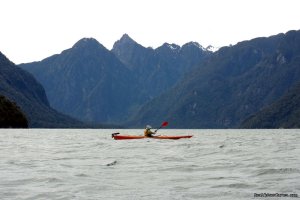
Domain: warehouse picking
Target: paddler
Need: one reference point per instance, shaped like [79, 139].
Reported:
[148, 132]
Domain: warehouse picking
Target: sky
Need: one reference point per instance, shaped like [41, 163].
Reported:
[32, 30]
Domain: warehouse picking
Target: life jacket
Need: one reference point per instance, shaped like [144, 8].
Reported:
[148, 133]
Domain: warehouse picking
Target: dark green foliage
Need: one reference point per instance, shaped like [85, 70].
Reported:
[228, 87]
[20, 86]
[284, 113]
[11, 115]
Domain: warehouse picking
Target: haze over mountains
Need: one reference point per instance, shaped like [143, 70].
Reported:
[232, 84]
[190, 86]
[94, 84]
[19, 86]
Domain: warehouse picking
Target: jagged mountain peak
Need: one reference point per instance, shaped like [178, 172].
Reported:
[87, 42]
[172, 46]
[127, 49]
[212, 48]
[194, 44]
[125, 41]
[126, 37]
[4, 59]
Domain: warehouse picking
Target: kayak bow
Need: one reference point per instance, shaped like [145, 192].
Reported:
[116, 136]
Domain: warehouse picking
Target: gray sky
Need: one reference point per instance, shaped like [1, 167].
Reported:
[32, 30]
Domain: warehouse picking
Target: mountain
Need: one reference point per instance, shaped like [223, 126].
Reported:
[11, 115]
[157, 70]
[229, 86]
[283, 113]
[22, 88]
[87, 82]
[94, 84]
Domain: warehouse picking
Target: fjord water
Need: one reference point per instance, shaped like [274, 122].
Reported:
[89, 164]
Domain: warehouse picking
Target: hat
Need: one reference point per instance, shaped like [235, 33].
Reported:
[148, 127]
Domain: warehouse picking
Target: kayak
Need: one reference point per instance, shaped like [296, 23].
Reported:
[116, 136]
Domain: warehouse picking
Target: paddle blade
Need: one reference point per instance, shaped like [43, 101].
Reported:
[164, 124]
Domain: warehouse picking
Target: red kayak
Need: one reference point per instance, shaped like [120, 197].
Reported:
[116, 136]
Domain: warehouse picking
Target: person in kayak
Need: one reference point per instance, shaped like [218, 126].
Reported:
[148, 132]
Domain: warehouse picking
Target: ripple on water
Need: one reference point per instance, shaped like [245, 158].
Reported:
[89, 164]
[234, 185]
[270, 171]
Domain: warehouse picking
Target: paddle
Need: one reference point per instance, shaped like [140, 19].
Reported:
[162, 125]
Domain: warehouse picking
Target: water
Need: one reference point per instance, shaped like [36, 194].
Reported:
[89, 164]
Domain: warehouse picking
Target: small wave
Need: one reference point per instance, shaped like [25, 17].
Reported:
[180, 168]
[277, 171]
[52, 180]
[233, 185]
[81, 175]
[172, 158]
[112, 163]
[216, 178]
[27, 181]
[239, 185]
[18, 182]
[67, 165]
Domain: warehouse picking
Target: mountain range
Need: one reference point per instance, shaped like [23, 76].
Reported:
[253, 84]
[229, 86]
[94, 84]
[87, 81]
[20, 87]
